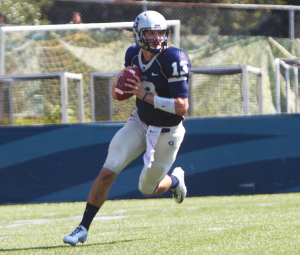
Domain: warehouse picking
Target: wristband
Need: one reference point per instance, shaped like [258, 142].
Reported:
[145, 96]
[165, 104]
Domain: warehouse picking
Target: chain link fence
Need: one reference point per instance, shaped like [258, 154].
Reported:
[201, 19]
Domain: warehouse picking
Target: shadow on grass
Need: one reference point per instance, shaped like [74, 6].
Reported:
[67, 246]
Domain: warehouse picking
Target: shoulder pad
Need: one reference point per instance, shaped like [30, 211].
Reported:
[174, 62]
[174, 54]
[132, 51]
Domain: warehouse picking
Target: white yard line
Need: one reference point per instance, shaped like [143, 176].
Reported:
[20, 223]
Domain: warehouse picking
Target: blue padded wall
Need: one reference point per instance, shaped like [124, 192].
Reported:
[220, 156]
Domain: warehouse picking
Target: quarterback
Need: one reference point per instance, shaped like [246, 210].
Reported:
[154, 127]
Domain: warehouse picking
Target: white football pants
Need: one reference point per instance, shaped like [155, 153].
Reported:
[130, 141]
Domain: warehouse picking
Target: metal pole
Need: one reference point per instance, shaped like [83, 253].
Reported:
[110, 100]
[80, 104]
[92, 97]
[291, 23]
[2, 57]
[190, 91]
[231, 6]
[260, 92]
[277, 84]
[296, 89]
[145, 6]
[64, 97]
[11, 104]
[287, 82]
[177, 35]
[245, 90]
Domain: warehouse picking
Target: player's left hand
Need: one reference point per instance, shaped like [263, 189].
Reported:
[137, 87]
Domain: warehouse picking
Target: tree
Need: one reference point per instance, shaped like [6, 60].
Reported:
[25, 12]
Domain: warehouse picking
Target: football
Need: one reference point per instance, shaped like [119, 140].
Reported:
[120, 86]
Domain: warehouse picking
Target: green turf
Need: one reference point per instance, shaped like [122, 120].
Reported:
[264, 224]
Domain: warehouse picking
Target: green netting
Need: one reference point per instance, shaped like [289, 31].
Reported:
[216, 95]
[85, 51]
[56, 51]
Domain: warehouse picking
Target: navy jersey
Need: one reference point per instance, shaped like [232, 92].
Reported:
[166, 75]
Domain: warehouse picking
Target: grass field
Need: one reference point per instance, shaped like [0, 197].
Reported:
[261, 224]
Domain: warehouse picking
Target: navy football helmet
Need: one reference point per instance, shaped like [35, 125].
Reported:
[150, 20]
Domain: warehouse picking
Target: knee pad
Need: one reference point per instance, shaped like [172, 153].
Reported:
[113, 161]
[148, 183]
[147, 187]
[126, 145]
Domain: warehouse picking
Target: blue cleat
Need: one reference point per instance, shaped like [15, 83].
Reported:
[78, 235]
[179, 193]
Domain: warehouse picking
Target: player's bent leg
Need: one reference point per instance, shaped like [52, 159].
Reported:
[162, 187]
[149, 180]
[154, 180]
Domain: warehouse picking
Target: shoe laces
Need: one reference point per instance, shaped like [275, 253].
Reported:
[77, 230]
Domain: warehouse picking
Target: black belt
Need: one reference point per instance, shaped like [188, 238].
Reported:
[163, 130]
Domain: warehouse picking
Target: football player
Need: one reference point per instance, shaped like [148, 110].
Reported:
[156, 124]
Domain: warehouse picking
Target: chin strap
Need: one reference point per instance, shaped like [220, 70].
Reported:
[165, 104]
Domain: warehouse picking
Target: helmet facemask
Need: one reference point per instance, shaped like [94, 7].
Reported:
[145, 44]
